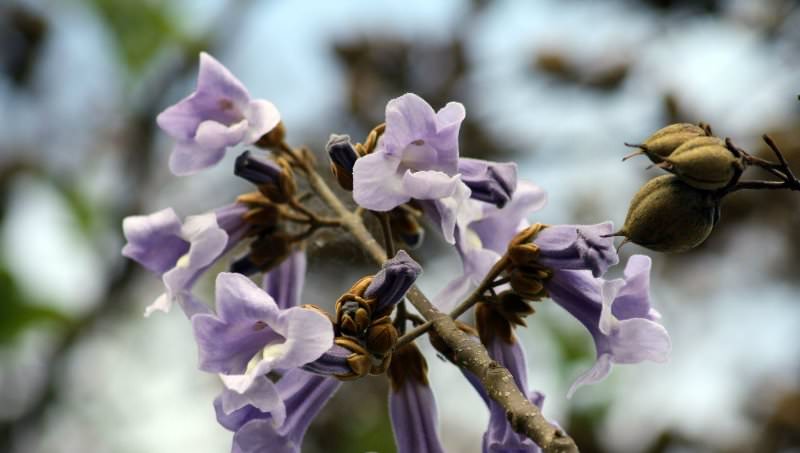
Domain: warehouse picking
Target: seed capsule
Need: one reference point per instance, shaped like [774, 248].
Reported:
[666, 140]
[704, 163]
[668, 215]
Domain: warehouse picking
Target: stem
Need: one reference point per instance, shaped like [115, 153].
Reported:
[524, 416]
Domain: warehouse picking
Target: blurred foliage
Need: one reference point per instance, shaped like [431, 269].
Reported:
[140, 29]
[17, 313]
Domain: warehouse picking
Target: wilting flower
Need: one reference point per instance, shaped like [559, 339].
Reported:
[412, 404]
[219, 114]
[416, 158]
[304, 395]
[180, 253]
[617, 313]
[250, 336]
[484, 237]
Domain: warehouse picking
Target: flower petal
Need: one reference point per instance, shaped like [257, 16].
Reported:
[154, 240]
[595, 374]
[285, 283]
[377, 184]
[414, 418]
[262, 116]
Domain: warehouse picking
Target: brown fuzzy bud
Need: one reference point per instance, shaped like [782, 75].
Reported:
[523, 254]
[353, 315]
[265, 216]
[269, 250]
[359, 361]
[491, 324]
[528, 283]
[380, 364]
[705, 163]
[666, 140]
[513, 307]
[408, 363]
[406, 227]
[668, 215]
[381, 336]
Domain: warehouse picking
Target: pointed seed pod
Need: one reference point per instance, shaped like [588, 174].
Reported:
[668, 215]
[666, 140]
[705, 163]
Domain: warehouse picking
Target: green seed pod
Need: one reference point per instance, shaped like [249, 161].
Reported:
[666, 140]
[667, 215]
[705, 163]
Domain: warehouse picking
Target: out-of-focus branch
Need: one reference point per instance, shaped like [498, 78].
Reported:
[524, 416]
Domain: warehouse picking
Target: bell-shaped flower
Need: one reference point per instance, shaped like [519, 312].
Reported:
[415, 158]
[490, 182]
[412, 405]
[577, 247]
[180, 252]
[483, 238]
[250, 336]
[617, 313]
[219, 114]
[303, 395]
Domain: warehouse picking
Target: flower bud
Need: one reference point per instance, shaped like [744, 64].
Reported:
[528, 281]
[343, 157]
[704, 163]
[353, 315]
[668, 215]
[359, 360]
[381, 336]
[491, 182]
[491, 324]
[274, 179]
[390, 285]
[666, 140]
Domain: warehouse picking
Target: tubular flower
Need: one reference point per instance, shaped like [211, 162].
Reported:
[617, 313]
[412, 404]
[416, 158]
[250, 336]
[483, 238]
[490, 182]
[303, 394]
[180, 253]
[219, 114]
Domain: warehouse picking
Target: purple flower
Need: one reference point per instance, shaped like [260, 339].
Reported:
[499, 436]
[577, 247]
[491, 182]
[251, 336]
[416, 158]
[180, 253]
[483, 238]
[304, 395]
[285, 283]
[617, 313]
[217, 115]
[392, 282]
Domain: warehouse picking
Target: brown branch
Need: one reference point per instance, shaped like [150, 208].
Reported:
[524, 416]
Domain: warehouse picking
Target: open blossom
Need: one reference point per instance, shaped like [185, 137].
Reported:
[617, 313]
[250, 336]
[304, 395]
[482, 239]
[219, 114]
[416, 158]
[181, 252]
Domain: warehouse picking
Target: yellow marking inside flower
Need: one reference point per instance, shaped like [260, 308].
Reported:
[273, 351]
[183, 261]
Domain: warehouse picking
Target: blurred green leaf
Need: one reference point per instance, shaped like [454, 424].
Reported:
[140, 28]
[16, 313]
[81, 208]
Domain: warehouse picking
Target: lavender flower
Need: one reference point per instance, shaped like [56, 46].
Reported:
[411, 403]
[577, 247]
[304, 395]
[219, 114]
[483, 238]
[393, 281]
[180, 253]
[416, 158]
[285, 282]
[616, 313]
[251, 336]
[491, 182]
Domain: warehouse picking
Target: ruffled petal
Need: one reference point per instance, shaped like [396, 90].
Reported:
[377, 185]
[189, 157]
[154, 240]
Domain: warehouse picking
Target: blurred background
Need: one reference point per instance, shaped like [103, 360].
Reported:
[556, 86]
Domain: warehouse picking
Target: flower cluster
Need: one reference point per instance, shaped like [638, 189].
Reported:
[280, 359]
